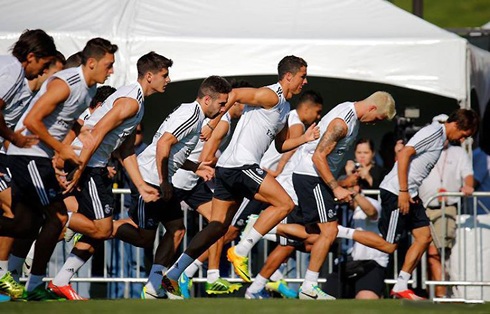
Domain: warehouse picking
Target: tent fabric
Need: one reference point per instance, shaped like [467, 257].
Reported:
[368, 40]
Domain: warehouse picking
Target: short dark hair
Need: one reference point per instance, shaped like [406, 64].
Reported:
[59, 57]
[74, 61]
[364, 140]
[152, 62]
[311, 96]
[466, 119]
[35, 41]
[290, 64]
[240, 83]
[212, 86]
[101, 95]
[97, 48]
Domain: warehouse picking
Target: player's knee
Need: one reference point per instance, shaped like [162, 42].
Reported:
[286, 207]
[329, 231]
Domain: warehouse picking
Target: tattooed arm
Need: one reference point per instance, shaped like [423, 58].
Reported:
[337, 130]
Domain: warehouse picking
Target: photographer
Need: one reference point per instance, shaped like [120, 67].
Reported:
[364, 171]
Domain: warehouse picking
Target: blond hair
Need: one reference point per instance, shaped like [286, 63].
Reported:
[384, 102]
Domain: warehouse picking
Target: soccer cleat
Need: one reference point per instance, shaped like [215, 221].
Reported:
[4, 298]
[406, 294]
[262, 294]
[66, 292]
[185, 285]
[171, 287]
[282, 288]
[221, 286]
[313, 293]
[240, 264]
[147, 295]
[26, 267]
[77, 238]
[41, 294]
[250, 223]
[11, 287]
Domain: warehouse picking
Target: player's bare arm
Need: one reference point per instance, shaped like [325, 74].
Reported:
[404, 199]
[285, 144]
[294, 132]
[212, 145]
[16, 138]
[164, 145]
[337, 130]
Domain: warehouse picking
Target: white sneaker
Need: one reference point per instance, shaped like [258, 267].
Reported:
[147, 295]
[250, 223]
[313, 293]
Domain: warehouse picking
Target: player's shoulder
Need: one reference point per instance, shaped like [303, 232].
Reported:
[9, 65]
[72, 76]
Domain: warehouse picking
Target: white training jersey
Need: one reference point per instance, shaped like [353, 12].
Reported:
[254, 132]
[272, 156]
[187, 180]
[346, 112]
[185, 124]
[116, 136]
[428, 144]
[16, 108]
[11, 79]
[61, 120]
[285, 178]
[85, 115]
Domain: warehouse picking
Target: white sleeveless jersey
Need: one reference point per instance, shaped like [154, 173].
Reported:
[272, 156]
[61, 120]
[187, 180]
[428, 143]
[347, 113]
[115, 137]
[11, 80]
[16, 108]
[254, 132]
[285, 178]
[85, 115]
[185, 124]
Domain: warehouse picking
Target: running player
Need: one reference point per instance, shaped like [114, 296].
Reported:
[403, 210]
[51, 114]
[31, 55]
[314, 177]
[111, 126]
[238, 174]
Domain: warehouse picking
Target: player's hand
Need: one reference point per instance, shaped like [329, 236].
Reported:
[352, 180]
[341, 194]
[148, 193]
[111, 172]
[24, 141]
[467, 190]
[167, 190]
[60, 174]
[404, 201]
[313, 133]
[205, 171]
[73, 183]
[58, 163]
[67, 152]
[350, 167]
[206, 133]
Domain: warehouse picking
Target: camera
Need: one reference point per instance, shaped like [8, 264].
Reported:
[405, 126]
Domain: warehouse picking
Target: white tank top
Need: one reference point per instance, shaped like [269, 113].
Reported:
[185, 124]
[347, 113]
[255, 131]
[187, 180]
[115, 137]
[61, 120]
[272, 156]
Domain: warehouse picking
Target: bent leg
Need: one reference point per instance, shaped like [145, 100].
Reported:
[374, 241]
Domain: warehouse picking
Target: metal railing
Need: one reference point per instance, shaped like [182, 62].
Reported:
[299, 264]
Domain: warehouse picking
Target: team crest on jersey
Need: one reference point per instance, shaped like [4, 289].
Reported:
[259, 171]
[330, 214]
[52, 193]
[107, 209]
[150, 222]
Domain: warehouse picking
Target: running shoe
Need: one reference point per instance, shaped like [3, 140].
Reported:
[313, 293]
[281, 287]
[240, 264]
[406, 294]
[4, 298]
[185, 285]
[221, 286]
[66, 292]
[171, 287]
[262, 294]
[41, 294]
[147, 295]
[10, 287]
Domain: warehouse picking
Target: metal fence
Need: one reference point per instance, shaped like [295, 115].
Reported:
[296, 267]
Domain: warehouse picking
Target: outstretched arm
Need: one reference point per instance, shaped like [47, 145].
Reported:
[284, 144]
[337, 130]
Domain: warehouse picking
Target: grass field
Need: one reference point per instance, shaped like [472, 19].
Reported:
[233, 306]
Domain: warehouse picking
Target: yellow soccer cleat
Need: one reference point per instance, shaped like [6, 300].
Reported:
[240, 264]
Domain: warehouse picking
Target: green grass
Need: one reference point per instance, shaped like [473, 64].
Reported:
[452, 13]
[234, 306]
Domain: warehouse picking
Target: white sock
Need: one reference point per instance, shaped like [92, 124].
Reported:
[270, 237]
[345, 233]
[193, 268]
[70, 267]
[30, 255]
[247, 243]
[258, 284]
[155, 278]
[69, 218]
[213, 275]
[34, 281]
[15, 266]
[311, 279]
[4, 268]
[402, 282]
[277, 275]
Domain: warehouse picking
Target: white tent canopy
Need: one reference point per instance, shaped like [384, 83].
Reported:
[368, 40]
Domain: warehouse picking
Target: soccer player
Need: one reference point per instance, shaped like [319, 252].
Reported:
[112, 126]
[36, 194]
[403, 210]
[238, 173]
[314, 177]
[31, 56]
